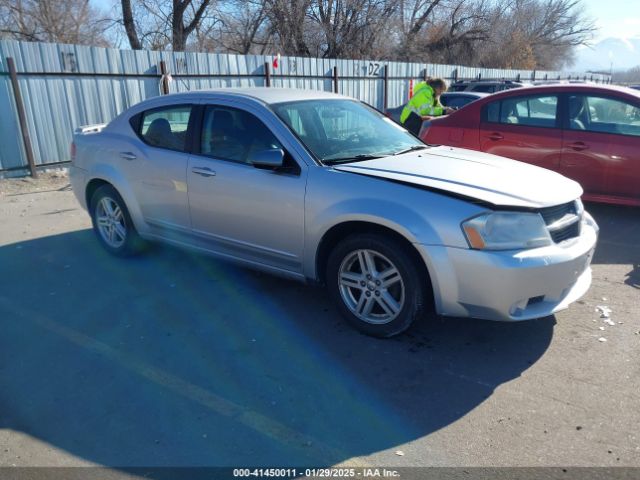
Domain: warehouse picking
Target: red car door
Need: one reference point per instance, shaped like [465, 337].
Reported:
[601, 147]
[523, 128]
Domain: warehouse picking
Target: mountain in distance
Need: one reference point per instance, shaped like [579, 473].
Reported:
[624, 53]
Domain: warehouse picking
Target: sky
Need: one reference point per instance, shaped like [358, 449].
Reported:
[615, 18]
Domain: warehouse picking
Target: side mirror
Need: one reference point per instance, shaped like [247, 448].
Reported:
[272, 159]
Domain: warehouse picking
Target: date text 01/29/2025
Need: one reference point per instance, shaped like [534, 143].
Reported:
[315, 472]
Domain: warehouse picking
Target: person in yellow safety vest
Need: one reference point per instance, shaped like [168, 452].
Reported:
[424, 104]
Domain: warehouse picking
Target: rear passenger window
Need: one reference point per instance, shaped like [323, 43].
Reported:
[532, 111]
[166, 127]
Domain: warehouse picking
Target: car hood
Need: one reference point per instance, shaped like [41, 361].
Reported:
[488, 178]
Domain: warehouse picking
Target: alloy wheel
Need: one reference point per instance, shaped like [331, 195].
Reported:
[371, 286]
[111, 222]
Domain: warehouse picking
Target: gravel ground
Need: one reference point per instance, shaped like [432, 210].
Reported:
[177, 359]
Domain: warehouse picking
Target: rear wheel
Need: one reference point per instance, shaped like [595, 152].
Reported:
[112, 223]
[375, 284]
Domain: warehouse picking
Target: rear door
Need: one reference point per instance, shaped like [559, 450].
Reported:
[601, 148]
[524, 128]
[155, 164]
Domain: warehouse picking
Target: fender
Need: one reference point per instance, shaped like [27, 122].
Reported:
[108, 173]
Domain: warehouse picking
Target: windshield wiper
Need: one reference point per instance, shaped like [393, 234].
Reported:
[411, 149]
[355, 158]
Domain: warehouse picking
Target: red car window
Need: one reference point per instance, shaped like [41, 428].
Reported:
[604, 115]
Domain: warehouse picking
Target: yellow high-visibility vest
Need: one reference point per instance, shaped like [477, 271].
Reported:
[423, 102]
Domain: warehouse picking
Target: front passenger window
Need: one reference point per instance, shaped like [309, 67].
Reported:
[603, 115]
[166, 127]
[235, 135]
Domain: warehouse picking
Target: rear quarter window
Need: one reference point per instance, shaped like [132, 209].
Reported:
[492, 112]
[532, 111]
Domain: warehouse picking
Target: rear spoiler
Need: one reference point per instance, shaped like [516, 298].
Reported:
[98, 127]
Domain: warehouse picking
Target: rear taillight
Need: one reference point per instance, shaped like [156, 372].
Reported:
[73, 151]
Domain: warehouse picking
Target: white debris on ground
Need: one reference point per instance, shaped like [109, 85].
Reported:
[605, 314]
[400, 453]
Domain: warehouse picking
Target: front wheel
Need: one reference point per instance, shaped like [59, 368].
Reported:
[375, 284]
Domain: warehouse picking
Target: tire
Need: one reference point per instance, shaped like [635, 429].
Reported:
[374, 308]
[112, 223]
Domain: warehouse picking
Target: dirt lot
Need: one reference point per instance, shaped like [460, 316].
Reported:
[177, 359]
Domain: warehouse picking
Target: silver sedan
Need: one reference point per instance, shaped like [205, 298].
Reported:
[321, 188]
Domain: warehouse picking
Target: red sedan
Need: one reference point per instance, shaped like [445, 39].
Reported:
[589, 133]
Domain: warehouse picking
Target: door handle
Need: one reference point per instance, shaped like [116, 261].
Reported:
[495, 136]
[203, 171]
[128, 155]
[579, 146]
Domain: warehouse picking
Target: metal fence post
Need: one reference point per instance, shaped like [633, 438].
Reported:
[164, 82]
[267, 75]
[335, 79]
[385, 103]
[22, 118]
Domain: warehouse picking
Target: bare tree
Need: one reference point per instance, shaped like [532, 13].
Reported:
[162, 23]
[288, 19]
[351, 27]
[71, 21]
[531, 34]
[130, 26]
[243, 27]
[627, 76]
[493, 33]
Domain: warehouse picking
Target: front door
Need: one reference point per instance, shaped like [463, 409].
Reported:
[239, 210]
[601, 147]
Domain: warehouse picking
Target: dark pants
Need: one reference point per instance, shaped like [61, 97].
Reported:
[413, 123]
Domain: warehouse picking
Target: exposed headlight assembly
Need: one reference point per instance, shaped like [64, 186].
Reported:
[506, 231]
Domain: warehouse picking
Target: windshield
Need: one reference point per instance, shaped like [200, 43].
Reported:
[340, 130]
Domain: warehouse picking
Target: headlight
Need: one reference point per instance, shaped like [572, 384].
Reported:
[506, 231]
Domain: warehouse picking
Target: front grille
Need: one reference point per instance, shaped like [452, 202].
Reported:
[553, 214]
[563, 221]
[566, 233]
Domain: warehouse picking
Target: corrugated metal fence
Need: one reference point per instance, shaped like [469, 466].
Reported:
[65, 86]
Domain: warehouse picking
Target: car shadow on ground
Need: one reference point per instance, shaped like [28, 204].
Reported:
[177, 359]
[619, 239]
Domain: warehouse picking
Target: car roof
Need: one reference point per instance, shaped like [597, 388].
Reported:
[487, 82]
[268, 95]
[468, 93]
[563, 87]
